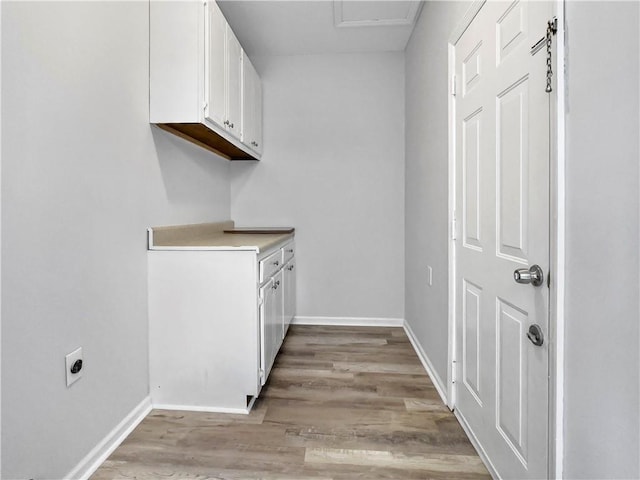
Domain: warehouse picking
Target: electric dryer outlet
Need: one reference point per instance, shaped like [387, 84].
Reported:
[73, 366]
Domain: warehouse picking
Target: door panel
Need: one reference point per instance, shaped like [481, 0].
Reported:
[471, 67]
[471, 180]
[511, 376]
[471, 339]
[502, 191]
[512, 157]
[512, 29]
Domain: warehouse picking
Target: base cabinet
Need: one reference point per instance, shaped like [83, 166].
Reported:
[215, 326]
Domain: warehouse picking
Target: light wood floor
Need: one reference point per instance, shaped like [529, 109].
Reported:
[341, 403]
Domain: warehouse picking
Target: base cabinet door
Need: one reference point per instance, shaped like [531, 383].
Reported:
[268, 329]
[279, 318]
[271, 322]
[289, 294]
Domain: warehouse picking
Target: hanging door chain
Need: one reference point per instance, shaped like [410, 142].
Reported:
[552, 29]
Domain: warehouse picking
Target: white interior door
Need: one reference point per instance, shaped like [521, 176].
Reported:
[502, 201]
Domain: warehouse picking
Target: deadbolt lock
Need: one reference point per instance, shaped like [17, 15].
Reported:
[535, 335]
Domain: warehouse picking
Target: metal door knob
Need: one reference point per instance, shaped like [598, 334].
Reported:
[532, 275]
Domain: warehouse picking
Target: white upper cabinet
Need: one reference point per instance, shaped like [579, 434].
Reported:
[251, 106]
[196, 77]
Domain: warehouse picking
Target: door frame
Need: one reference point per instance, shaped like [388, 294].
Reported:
[0, 241]
[556, 237]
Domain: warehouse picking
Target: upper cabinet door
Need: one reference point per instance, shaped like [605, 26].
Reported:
[251, 107]
[248, 101]
[257, 115]
[234, 83]
[216, 102]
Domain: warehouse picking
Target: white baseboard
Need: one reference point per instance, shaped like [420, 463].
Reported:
[426, 363]
[195, 408]
[349, 321]
[474, 441]
[96, 457]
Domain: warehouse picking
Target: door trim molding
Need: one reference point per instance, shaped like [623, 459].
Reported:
[556, 240]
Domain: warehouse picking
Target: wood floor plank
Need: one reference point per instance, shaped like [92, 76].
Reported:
[341, 403]
[378, 458]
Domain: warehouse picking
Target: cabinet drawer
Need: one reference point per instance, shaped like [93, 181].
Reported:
[270, 265]
[289, 250]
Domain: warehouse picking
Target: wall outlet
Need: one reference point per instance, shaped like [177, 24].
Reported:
[429, 275]
[73, 365]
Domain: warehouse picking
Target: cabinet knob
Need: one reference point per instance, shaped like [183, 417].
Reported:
[226, 122]
[290, 268]
[231, 125]
[290, 250]
[276, 263]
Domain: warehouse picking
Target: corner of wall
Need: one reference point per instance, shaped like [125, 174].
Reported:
[441, 387]
[96, 457]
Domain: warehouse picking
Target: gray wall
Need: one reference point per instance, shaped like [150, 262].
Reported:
[601, 350]
[426, 178]
[333, 168]
[83, 175]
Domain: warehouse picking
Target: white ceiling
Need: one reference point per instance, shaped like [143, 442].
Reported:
[295, 27]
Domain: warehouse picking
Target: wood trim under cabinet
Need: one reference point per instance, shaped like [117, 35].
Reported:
[206, 138]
